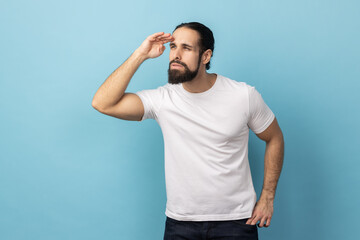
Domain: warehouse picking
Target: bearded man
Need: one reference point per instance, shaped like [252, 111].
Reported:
[205, 119]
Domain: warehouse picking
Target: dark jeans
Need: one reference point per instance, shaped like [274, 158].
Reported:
[210, 230]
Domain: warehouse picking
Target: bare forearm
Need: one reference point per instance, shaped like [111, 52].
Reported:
[274, 155]
[111, 91]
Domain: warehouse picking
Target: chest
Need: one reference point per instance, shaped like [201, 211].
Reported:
[218, 119]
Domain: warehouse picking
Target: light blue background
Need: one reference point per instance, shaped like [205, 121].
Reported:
[70, 172]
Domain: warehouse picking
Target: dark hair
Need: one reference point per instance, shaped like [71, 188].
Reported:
[206, 40]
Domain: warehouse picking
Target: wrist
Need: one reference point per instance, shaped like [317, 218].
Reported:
[139, 55]
[267, 195]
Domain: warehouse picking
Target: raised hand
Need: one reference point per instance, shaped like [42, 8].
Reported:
[153, 45]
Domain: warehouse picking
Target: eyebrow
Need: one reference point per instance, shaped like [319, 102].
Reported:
[184, 44]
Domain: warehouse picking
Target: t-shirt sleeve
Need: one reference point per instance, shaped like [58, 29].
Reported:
[152, 100]
[260, 115]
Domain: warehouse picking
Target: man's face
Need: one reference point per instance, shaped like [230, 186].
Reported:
[184, 56]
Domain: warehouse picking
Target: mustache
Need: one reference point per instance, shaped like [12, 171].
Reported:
[175, 61]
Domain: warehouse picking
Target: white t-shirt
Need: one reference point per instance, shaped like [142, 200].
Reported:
[207, 173]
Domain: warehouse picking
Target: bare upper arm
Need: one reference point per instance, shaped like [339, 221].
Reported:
[130, 107]
[272, 131]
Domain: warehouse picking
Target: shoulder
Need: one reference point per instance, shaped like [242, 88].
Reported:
[236, 84]
[160, 89]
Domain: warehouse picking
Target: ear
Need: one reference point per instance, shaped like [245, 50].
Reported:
[206, 56]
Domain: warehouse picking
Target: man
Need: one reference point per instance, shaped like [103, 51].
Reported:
[205, 119]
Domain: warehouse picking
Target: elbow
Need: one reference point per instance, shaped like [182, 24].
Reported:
[96, 106]
[276, 138]
[93, 104]
[279, 138]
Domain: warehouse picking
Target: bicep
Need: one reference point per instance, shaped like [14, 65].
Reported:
[130, 107]
[272, 131]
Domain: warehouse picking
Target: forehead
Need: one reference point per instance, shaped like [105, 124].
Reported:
[187, 36]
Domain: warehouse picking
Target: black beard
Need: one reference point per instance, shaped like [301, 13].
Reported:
[175, 76]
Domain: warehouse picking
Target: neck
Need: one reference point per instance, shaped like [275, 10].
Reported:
[201, 83]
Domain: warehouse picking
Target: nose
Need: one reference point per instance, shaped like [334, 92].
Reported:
[176, 54]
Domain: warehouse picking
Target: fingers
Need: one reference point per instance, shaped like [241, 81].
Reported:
[253, 221]
[161, 36]
[165, 38]
[262, 222]
[268, 222]
[249, 221]
[153, 36]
